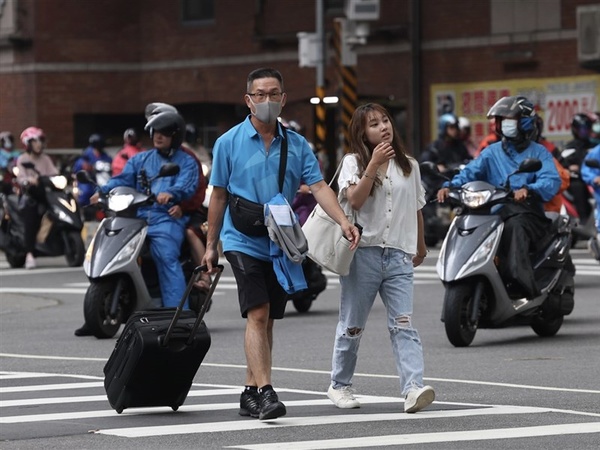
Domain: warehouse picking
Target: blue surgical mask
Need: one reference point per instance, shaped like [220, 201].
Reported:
[509, 128]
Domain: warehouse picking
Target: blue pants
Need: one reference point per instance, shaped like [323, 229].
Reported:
[389, 273]
[165, 244]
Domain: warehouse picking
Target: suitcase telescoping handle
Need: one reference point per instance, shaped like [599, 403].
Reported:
[194, 278]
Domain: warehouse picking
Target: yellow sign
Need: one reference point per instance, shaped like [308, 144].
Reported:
[556, 100]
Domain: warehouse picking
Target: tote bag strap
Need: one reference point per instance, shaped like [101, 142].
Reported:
[343, 201]
[339, 168]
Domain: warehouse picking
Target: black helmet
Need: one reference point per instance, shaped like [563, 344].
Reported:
[445, 121]
[581, 126]
[168, 123]
[97, 141]
[130, 136]
[158, 107]
[519, 108]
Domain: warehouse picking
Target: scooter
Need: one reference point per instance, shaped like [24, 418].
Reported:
[60, 228]
[578, 203]
[436, 217]
[476, 296]
[118, 263]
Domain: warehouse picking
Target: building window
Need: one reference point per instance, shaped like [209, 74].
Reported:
[524, 16]
[194, 11]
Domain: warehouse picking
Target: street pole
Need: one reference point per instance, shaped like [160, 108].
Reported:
[320, 126]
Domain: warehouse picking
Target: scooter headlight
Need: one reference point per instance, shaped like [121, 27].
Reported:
[59, 182]
[119, 202]
[474, 199]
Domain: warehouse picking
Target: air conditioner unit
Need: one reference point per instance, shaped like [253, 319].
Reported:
[588, 34]
[362, 10]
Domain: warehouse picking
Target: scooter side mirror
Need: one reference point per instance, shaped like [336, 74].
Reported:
[530, 165]
[28, 165]
[169, 170]
[83, 177]
[593, 163]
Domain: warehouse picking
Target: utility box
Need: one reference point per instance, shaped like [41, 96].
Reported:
[309, 49]
[362, 10]
[588, 35]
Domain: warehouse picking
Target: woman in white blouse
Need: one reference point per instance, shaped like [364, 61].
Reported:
[383, 186]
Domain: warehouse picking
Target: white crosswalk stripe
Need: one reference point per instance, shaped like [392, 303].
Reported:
[85, 400]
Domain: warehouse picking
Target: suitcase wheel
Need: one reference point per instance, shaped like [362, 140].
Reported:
[174, 408]
[119, 410]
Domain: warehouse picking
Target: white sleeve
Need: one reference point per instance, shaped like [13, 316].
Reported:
[348, 174]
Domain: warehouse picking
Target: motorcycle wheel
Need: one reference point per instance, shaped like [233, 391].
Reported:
[15, 260]
[77, 253]
[303, 304]
[96, 306]
[546, 327]
[459, 328]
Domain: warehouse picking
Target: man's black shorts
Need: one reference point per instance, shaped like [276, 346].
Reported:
[257, 284]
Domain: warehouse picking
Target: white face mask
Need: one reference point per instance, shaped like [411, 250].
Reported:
[267, 112]
[509, 128]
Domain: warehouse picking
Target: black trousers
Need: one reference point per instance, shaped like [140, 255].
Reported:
[525, 230]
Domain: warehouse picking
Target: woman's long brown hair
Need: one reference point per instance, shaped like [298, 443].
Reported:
[363, 150]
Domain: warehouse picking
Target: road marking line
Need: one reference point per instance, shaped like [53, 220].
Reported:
[39, 271]
[429, 438]
[326, 372]
[50, 387]
[238, 425]
[30, 418]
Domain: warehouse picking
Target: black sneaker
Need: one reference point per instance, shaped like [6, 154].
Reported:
[83, 331]
[249, 404]
[270, 406]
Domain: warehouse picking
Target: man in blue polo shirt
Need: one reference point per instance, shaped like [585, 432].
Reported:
[245, 169]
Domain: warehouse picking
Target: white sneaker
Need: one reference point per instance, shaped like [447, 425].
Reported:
[30, 261]
[343, 397]
[418, 399]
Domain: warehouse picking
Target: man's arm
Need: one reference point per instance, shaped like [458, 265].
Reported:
[216, 212]
[547, 180]
[187, 179]
[325, 197]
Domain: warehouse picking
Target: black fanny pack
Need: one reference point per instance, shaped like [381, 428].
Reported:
[247, 217]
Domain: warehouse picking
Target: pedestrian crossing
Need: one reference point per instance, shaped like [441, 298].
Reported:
[43, 402]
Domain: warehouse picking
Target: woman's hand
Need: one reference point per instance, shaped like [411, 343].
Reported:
[382, 153]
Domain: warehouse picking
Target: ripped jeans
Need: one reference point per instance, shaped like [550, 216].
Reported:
[388, 272]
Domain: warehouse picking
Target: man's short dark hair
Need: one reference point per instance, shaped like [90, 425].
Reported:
[264, 72]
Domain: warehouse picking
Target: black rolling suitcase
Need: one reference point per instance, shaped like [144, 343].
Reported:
[158, 354]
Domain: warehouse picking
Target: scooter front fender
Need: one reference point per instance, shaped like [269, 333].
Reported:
[115, 247]
[471, 244]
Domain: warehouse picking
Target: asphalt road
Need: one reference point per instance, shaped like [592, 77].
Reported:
[509, 389]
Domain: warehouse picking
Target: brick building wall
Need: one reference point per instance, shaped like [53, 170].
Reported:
[91, 60]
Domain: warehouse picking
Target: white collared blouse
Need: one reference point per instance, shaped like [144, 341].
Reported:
[389, 216]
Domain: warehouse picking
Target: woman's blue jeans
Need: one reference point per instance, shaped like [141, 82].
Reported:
[388, 272]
